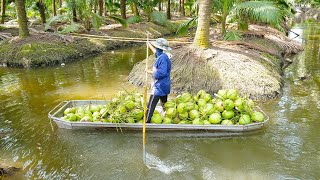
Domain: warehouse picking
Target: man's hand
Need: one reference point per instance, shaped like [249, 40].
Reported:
[148, 71]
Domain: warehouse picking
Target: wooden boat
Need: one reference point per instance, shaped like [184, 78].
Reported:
[56, 115]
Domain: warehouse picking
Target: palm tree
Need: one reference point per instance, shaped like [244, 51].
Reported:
[3, 11]
[223, 7]
[123, 9]
[60, 6]
[101, 7]
[168, 10]
[258, 11]
[22, 18]
[42, 8]
[54, 8]
[201, 38]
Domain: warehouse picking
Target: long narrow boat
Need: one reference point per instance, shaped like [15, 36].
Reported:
[56, 115]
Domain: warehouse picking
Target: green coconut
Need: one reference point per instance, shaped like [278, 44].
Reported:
[257, 116]
[170, 104]
[181, 108]
[226, 122]
[206, 97]
[69, 110]
[86, 119]
[190, 106]
[228, 104]
[219, 106]
[215, 118]
[129, 104]
[156, 119]
[94, 108]
[202, 102]
[167, 120]
[244, 119]
[232, 94]
[227, 114]
[222, 93]
[194, 114]
[206, 122]
[171, 112]
[183, 115]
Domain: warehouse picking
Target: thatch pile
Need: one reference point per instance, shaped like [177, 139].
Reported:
[254, 70]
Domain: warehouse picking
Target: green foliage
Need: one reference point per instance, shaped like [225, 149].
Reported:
[260, 11]
[232, 36]
[123, 22]
[159, 18]
[96, 21]
[55, 19]
[134, 19]
[183, 28]
[73, 27]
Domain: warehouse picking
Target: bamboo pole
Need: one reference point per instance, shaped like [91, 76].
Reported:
[145, 104]
[123, 38]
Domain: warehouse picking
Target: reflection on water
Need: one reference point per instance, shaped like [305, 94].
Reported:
[287, 148]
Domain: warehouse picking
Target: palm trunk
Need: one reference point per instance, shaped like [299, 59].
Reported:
[3, 11]
[183, 13]
[60, 6]
[123, 9]
[159, 5]
[74, 14]
[54, 7]
[243, 24]
[136, 10]
[42, 8]
[201, 38]
[22, 18]
[168, 10]
[101, 7]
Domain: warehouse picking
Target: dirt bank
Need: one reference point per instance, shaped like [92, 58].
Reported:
[253, 65]
[43, 49]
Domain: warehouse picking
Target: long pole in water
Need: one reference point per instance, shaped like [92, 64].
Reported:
[145, 104]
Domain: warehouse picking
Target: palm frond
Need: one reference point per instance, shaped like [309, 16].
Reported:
[123, 22]
[73, 27]
[183, 28]
[159, 18]
[260, 11]
[134, 19]
[55, 19]
[232, 36]
[96, 21]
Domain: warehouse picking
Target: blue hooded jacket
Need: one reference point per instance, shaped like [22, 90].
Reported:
[162, 75]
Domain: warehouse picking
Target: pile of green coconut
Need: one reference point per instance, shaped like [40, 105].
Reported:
[225, 108]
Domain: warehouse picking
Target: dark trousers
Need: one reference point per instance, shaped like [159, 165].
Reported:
[152, 105]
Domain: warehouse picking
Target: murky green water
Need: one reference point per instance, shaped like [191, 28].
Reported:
[288, 148]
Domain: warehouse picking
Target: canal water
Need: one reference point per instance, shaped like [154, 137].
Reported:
[287, 148]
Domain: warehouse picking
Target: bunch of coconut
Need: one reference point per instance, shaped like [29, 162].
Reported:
[124, 107]
[227, 108]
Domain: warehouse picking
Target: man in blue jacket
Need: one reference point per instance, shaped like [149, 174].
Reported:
[161, 75]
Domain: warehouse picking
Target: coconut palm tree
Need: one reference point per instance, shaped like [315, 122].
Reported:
[221, 9]
[201, 38]
[168, 10]
[258, 11]
[54, 8]
[3, 11]
[42, 8]
[22, 18]
[123, 9]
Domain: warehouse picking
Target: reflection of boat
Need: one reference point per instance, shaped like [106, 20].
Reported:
[56, 115]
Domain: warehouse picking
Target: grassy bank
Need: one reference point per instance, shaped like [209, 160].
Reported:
[44, 49]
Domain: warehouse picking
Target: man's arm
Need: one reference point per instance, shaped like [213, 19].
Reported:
[153, 49]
